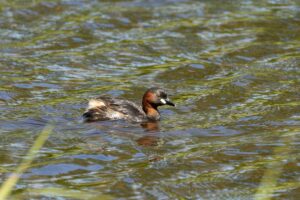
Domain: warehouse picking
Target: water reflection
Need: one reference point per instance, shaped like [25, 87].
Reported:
[148, 140]
[150, 126]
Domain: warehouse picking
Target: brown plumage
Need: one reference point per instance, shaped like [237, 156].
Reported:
[109, 108]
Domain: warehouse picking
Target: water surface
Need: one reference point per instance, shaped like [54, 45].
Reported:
[232, 68]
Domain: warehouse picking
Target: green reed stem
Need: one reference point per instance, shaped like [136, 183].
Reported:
[12, 180]
[269, 180]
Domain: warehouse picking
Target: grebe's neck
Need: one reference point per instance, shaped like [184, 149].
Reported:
[150, 110]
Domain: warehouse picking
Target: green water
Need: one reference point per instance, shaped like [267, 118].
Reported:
[231, 67]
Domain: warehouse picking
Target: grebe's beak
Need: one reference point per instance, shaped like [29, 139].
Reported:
[167, 102]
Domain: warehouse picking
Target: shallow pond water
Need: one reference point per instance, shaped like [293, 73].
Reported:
[231, 67]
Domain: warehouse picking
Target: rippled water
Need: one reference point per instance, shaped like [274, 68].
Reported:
[232, 68]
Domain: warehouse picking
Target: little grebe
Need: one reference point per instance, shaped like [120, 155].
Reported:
[108, 108]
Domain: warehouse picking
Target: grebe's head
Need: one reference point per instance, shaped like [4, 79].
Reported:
[156, 97]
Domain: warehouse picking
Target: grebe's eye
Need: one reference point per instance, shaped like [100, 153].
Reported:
[163, 95]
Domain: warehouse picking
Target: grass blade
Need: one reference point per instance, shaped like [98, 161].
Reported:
[274, 169]
[9, 184]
